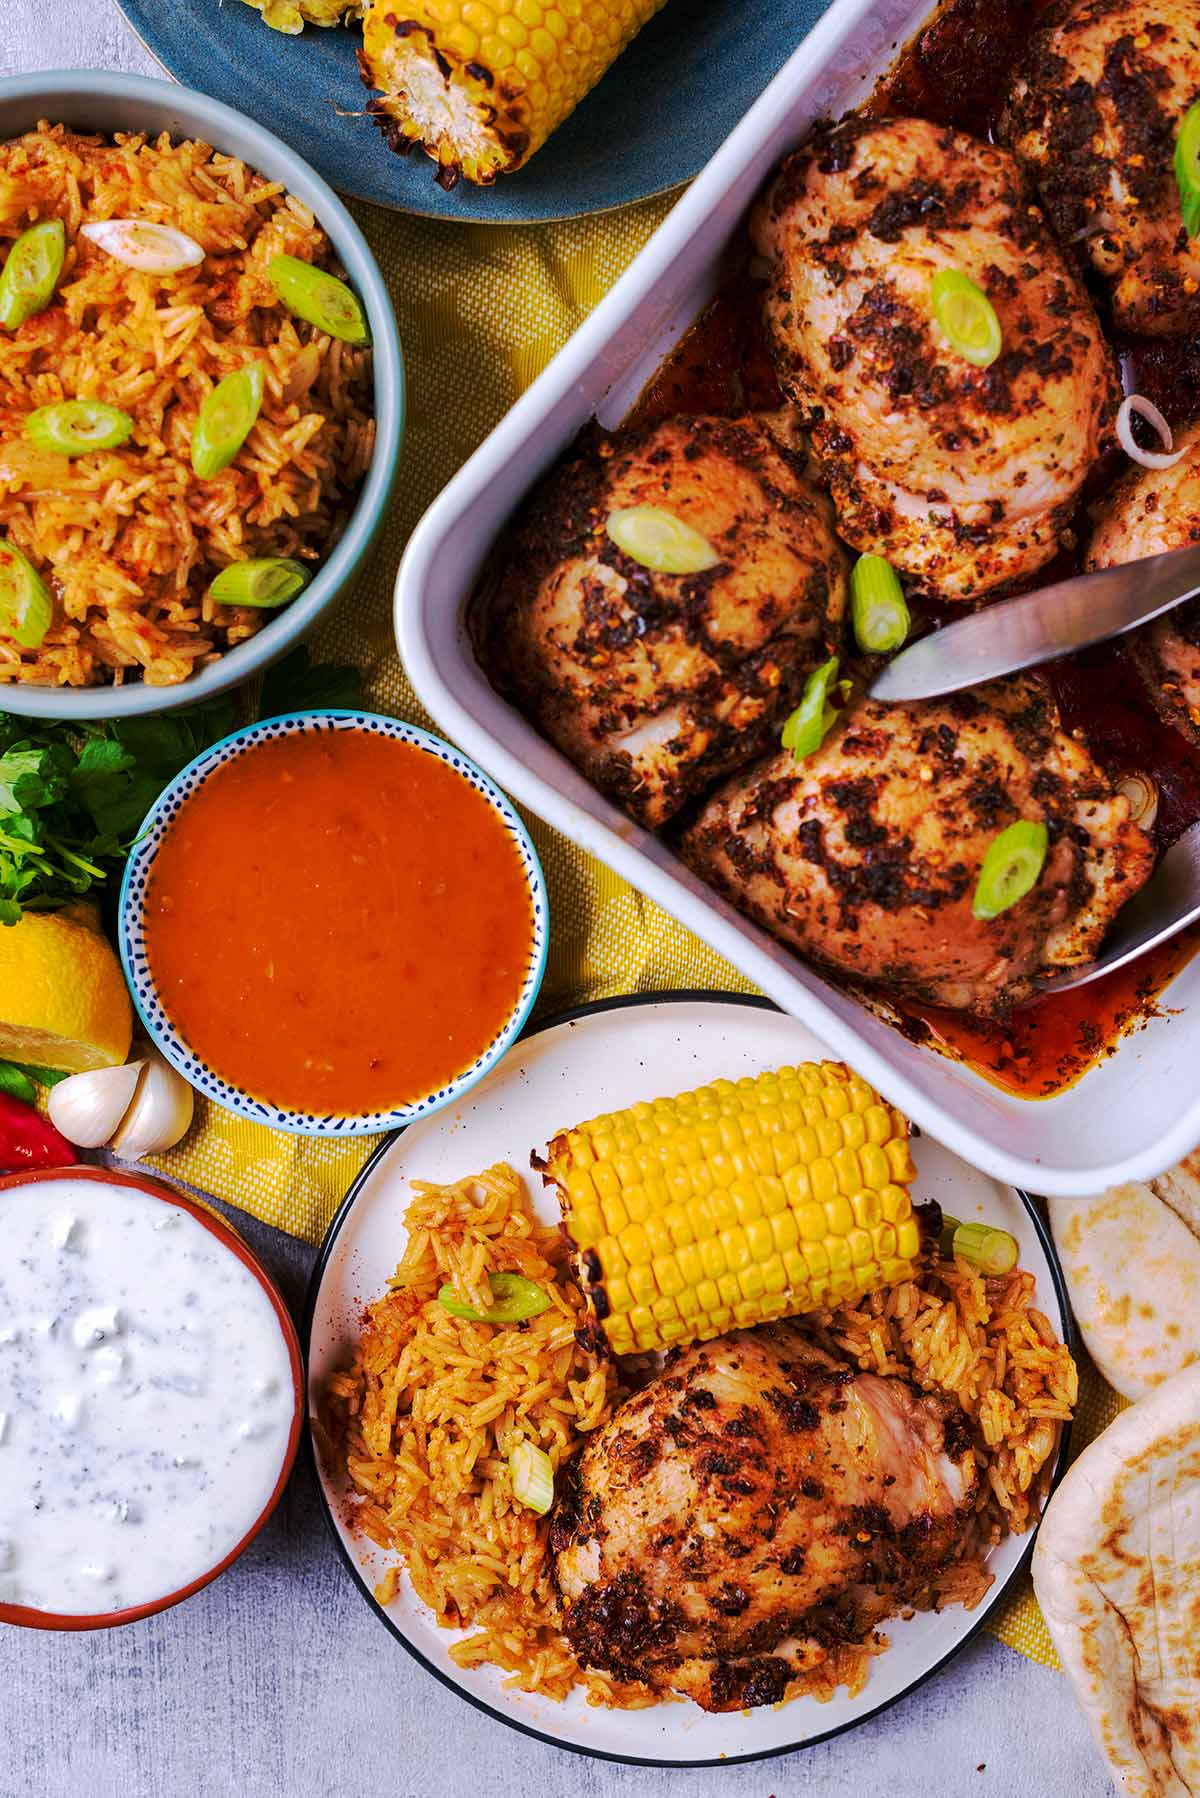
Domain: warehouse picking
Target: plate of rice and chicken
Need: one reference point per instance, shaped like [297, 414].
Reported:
[675, 1402]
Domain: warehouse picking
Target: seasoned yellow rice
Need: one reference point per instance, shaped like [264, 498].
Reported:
[128, 540]
[423, 1421]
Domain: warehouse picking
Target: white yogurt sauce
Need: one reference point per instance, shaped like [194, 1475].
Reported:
[146, 1398]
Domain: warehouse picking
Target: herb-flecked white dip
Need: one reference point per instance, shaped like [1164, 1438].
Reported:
[146, 1398]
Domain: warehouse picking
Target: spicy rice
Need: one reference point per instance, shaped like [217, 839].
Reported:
[423, 1422]
[128, 540]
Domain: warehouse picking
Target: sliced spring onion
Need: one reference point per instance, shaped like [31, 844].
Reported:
[1187, 169]
[76, 427]
[516, 1300]
[878, 611]
[319, 299]
[226, 419]
[1141, 790]
[31, 271]
[532, 1473]
[659, 540]
[992, 1251]
[966, 316]
[810, 723]
[26, 607]
[1144, 408]
[141, 244]
[1010, 867]
[260, 581]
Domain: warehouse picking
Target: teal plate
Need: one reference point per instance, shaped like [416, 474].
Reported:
[650, 125]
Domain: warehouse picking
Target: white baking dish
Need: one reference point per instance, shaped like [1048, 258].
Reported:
[1128, 1118]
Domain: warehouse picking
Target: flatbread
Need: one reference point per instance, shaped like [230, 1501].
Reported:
[1116, 1570]
[1132, 1267]
[1180, 1187]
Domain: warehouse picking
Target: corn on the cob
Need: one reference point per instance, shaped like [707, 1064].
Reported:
[291, 16]
[743, 1201]
[481, 84]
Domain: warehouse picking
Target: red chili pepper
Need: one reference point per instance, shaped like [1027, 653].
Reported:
[27, 1140]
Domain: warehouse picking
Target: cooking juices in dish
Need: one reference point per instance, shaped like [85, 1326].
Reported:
[963, 415]
[147, 1398]
[337, 921]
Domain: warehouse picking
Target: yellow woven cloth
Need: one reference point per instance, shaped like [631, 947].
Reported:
[481, 312]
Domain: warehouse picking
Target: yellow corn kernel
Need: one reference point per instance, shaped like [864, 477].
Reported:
[738, 1202]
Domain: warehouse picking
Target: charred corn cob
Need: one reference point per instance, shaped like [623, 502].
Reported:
[291, 16]
[481, 84]
[743, 1201]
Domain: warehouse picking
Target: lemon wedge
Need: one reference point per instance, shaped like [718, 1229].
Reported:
[63, 999]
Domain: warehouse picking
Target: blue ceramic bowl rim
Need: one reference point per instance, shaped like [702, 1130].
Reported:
[66, 92]
[152, 1013]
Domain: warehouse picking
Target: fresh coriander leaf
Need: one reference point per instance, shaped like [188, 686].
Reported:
[28, 778]
[297, 684]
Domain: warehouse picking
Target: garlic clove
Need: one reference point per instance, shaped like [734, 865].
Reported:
[159, 1113]
[87, 1108]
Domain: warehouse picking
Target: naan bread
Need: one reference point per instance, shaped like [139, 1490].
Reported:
[1132, 1267]
[1180, 1187]
[1116, 1570]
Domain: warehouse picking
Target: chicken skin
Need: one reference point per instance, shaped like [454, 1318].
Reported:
[866, 856]
[754, 1506]
[1093, 115]
[655, 684]
[1150, 511]
[963, 477]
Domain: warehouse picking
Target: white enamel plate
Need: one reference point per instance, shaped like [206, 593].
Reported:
[591, 1062]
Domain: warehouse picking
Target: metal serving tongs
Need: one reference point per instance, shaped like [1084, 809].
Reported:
[1037, 627]
[1019, 633]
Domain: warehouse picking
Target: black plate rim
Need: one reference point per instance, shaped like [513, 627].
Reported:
[625, 1001]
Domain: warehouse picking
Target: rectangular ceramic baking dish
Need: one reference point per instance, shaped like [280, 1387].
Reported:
[1129, 1117]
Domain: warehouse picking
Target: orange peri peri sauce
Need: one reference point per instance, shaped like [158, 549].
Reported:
[338, 922]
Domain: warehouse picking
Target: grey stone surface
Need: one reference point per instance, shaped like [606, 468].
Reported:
[277, 1681]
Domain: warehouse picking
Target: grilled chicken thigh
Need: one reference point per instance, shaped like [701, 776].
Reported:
[755, 1505]
[1148, 512]
[656, 684]
[963, 477]
[866, 855]
[1093, 114]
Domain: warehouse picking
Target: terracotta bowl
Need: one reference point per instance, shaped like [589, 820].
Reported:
[216, 1225]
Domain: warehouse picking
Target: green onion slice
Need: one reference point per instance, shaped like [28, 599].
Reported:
[319, 299]
[992, 1251]
[26, 607]
[226, 419]
[260, 581]
[966, 315]
[141, 244]
[1010, 867]
[659, 540]
[1187, 169]
[813, 718]
[31, 271]
[76, 427]
[532, 1473]
[516, 1300]
[877, 608]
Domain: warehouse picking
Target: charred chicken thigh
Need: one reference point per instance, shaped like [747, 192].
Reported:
[866, 855]
[657, 683]
[962, 476]
[1093, 114]
[755, 1505]
[1147, 513]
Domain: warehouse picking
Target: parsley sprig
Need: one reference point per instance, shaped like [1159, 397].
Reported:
[73, 797]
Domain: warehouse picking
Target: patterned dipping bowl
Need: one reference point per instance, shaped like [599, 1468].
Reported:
[132, 928]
